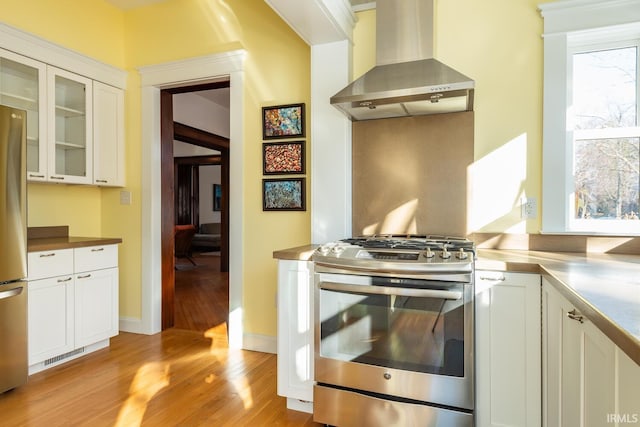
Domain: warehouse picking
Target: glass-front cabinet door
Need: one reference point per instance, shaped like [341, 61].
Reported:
[70, 127]
[23, 85]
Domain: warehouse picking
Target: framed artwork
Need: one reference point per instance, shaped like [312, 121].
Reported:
[283, 194]
[217, 197]
[283, 158]
[283, 121]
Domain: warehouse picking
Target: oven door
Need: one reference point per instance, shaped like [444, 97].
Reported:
[413, 342]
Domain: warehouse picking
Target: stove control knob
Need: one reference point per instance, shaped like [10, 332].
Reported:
[324, 249]
[428, 253]
[462, 254]
[445, 253]
[338, 249]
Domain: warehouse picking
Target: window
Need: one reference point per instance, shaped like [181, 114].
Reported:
[591, 135]
[604, 119]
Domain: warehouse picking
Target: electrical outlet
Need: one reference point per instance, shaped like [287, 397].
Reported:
[529, 208]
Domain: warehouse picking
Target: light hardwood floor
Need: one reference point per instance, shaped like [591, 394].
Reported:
[179, 377]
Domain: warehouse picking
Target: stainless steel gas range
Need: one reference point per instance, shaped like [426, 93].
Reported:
[394, 327]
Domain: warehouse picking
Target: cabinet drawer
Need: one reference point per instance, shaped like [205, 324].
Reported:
[50, 263]
[95, 258]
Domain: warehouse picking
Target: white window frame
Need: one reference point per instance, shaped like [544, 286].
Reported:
[568, 26]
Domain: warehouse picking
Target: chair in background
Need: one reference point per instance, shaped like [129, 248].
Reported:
[183, 236]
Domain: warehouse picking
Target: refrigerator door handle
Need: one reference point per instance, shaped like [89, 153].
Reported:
[10, 293]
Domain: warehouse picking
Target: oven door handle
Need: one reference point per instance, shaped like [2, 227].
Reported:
[386, 290]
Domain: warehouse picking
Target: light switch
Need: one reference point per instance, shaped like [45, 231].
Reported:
[125, 197]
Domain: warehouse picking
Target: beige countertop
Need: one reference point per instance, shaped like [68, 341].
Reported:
[57, 237]
[299, 253]
[68, 242]
[603, 287]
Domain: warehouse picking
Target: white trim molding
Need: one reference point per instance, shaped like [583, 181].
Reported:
[331, 148]
[317, 21]
[576, 15]
[229, 65]
[34, 47]
[261, 343]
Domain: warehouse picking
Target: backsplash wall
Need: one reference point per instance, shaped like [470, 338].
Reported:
[410, 174]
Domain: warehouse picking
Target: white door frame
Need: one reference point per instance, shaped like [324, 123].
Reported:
[228, 65]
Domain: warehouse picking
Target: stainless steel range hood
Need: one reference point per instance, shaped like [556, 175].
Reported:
[407, 80]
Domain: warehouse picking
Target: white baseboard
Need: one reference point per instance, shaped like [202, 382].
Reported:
[253, 342]
[262, 343]
[132, 324]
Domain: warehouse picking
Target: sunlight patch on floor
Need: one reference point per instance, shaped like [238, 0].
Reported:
[149, 380]
[220, 350]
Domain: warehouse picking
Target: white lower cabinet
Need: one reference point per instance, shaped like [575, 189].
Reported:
[587, 379]
[73, 303]
[295, 334]
[96, 301]
[507, 349]
[50, 314]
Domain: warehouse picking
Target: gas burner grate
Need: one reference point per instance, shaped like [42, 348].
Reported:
[411, 242]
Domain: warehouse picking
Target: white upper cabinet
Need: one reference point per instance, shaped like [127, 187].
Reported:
[108, 135]
[70, 127]
[75, 120]
[23, 85]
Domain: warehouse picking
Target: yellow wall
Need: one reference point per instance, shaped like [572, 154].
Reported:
[364, 40]
[91, 27]
[277, 71]
[59, 204]
[498, 44]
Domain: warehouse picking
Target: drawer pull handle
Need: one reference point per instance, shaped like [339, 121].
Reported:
[102, 180]
[574, 315]
[64, 280]
[500, 279]
[97, 250]
[47, 255]
[33, 175]
[61, 178]
[86, 276]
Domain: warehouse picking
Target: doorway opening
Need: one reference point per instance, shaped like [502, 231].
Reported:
[170, 216]
[226, 66]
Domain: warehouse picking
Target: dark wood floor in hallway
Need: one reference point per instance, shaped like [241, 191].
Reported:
[179, 377]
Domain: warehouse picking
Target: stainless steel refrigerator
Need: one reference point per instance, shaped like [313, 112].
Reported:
[13, 249]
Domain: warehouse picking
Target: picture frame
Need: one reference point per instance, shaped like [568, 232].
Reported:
[283, 194]
[283, 158]
[283, 121]
[217, 197]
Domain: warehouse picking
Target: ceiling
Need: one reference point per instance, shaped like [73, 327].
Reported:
[132, 4]
[218, 96]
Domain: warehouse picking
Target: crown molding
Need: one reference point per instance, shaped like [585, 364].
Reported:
[39, 49]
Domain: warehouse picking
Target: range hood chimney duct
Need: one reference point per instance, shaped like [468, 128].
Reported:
[407, 80]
